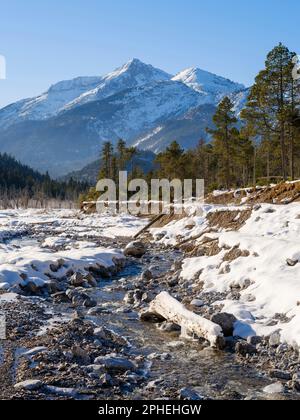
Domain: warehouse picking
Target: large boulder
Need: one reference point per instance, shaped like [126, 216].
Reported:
[226, 322]
[135, 249]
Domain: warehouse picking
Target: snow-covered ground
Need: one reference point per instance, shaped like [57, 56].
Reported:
[67, 222]
[61, 243]
[268, 279]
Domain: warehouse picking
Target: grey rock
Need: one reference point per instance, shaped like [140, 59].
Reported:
[115, 364]
[104, 333]
[243, 348]
[89, 303]
[226, 322]
[129, 298]
[276, 388]
[90, 279]
[169, 327]
[77, 280]
[29, 385]
[60, 297]
[189, 394]
[291, 262]
[147, 316]
[254, 340]
[96, 311]
[147, 275]
[280, 374]
[198, 303]
[148, 297]
[135, 249]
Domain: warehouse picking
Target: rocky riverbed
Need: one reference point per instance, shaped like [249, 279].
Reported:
[84, 337]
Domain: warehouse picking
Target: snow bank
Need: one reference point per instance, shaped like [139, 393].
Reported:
[267, 279]
[31, 263]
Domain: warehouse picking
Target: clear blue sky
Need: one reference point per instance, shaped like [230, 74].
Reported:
[45, 41]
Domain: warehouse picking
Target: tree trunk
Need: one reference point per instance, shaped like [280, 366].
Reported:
[166, 307]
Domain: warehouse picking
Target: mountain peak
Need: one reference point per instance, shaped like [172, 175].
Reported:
[138, 68]
[135, 62]
[208, 83]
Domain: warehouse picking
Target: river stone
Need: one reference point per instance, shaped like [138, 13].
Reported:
[147, 316]
[169, 327]
[60, 297]
[129, 298]
[29, 385]
[135, 249]
[243, 348]
[254, 340]
[90, 279]
[291, 263]
[148, 297]
[198, 303]
[226, 322]
[77, 280]
[189, 394]
[96, 311]
[115, 364]
[104, 333]
[80, 299]
[32, 288]
[280, 374]
[90, 303]
[147, 275]
[276, 388]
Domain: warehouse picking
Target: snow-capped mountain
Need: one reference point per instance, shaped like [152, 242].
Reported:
[212, 87]
[62, 129]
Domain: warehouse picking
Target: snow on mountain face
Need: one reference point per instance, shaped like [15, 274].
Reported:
[71, 93]
[49, 103]
[132, 74]
[239, 100]
[141, 108]
[212, 87]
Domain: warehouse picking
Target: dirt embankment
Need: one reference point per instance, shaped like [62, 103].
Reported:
[283, 193]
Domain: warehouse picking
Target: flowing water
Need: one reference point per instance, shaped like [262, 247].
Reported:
[177, 363]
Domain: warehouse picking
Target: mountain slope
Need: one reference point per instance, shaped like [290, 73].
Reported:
[186, 129]
[212, 87]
